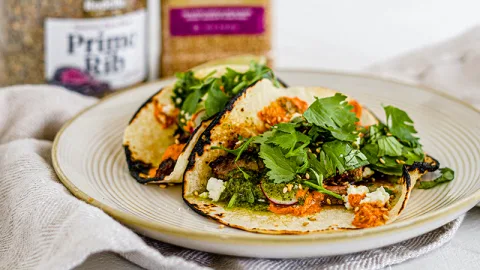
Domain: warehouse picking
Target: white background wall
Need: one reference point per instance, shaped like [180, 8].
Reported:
[350, 35]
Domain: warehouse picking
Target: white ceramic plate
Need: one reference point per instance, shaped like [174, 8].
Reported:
[89, 159]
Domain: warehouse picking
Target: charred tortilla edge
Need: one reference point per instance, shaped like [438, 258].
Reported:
[134, 165]
[137, 167]
[418, 167]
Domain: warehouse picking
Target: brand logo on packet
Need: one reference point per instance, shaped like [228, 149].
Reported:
[217, 20]
[103, 5]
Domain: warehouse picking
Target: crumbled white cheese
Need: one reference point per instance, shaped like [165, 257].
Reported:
[357, 190]
[203, 195]
[367, 172]
[168, 109]
[354, 190]
[379, 196]
[215, 188]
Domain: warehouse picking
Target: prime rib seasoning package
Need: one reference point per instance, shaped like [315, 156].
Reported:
[89, 46]
[196, 31]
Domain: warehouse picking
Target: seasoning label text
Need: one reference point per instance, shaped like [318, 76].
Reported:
[112, 50]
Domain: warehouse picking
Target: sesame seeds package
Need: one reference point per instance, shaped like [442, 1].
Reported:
[193, 32]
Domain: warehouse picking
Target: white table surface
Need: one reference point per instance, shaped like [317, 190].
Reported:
[351, 35]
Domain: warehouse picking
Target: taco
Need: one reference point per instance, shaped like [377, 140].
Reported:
[303, 159]
[162, 133]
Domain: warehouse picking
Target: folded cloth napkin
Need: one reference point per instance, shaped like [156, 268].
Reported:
[42, 226]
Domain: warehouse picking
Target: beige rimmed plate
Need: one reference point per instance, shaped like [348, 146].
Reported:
[89, 159]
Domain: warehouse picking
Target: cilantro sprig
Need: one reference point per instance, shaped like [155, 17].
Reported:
[335, 115]
[326, 142]
[447, 175]
[191, 94]
[390, 147]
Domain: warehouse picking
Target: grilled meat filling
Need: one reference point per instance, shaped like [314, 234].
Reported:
[223, 165]
[348, 176]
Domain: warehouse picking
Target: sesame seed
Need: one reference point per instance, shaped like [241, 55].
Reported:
[356, 209]
[267, 125]
[389, 134]
[305, 223]
[285, 189]
[178, 100]
[381, 160]
[276, 225]
[386, 217]
[171, 184]
[384, 209]
[307, 175]
[300, 186]
[317, 150]
[279, 119]
[182, 120]
[221, 226]
[289, 187]
[177, 141]
[195, 193]
[163, 186]
[400, 161]
[312, 218]
[328, 201]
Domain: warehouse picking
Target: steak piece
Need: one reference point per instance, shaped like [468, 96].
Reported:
[348, 176]
[329, 200]
[223, 165]
[165, 168]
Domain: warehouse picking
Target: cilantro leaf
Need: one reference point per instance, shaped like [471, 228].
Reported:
[388, 166]
[281, 169]
[333, 114]
[190, 104]
[375, 132]
[343, 156]
[412, 154]
[401, 125]
[336, 157]
[389, 146]
[287, 138]
[447, 176]
[216, 101]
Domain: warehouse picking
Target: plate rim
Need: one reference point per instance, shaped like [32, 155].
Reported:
[132, 220]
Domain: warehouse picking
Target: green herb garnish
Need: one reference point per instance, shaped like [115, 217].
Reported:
[401, 126]
[190, 94]
[447, 175]
[335, 115]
